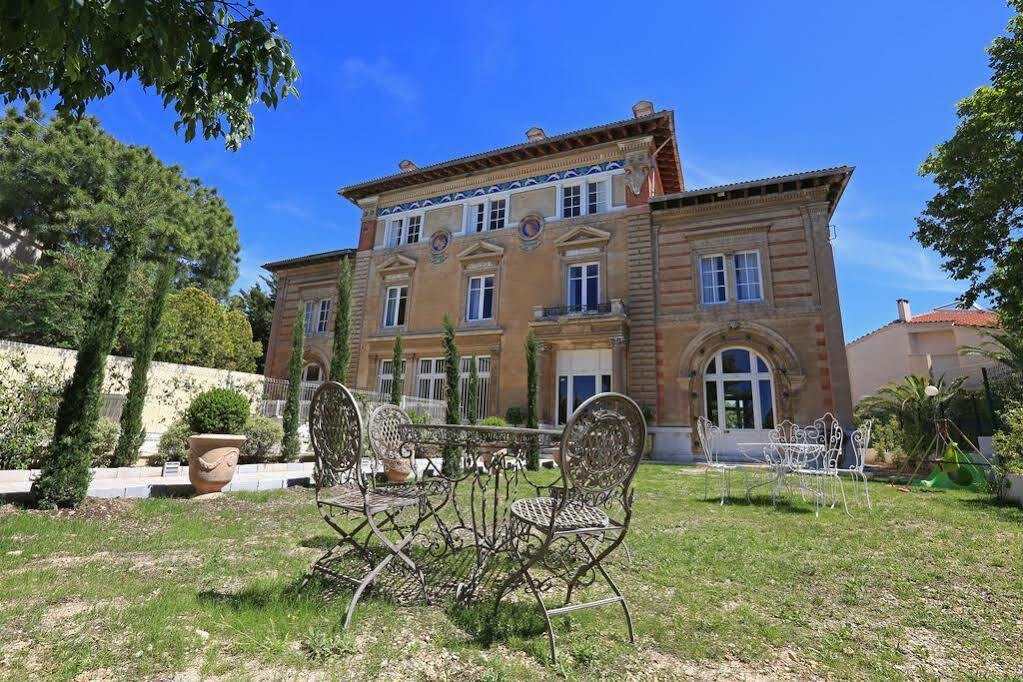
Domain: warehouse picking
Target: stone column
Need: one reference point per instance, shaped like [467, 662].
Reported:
[618, 368]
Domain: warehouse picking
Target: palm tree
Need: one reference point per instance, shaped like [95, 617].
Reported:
[915, 408]
[1003, 348]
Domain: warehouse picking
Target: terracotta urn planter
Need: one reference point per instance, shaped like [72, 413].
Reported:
[212, 458]
[397, 470]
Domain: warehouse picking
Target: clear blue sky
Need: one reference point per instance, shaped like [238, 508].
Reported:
[758, 89]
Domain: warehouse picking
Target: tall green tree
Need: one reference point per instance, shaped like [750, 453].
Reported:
[532, 419]
[53, 172]
[212, 59]
[473, 397]
[132, 432]
[130, 204]
[257, 305]
[199, 330]
[341, 356]
[451, 463]
[397, 376]
[975, 221]
[291, 447]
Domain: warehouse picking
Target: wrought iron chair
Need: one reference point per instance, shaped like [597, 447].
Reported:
[342, 493]
[710, 439]
[860, 441]
[828, 432]
[566, 536]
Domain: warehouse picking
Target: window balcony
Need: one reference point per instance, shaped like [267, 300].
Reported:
[614, 307]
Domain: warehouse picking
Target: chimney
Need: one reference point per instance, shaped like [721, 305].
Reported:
[643, 107]
[904, 313]
[407, 166]
[535, 134]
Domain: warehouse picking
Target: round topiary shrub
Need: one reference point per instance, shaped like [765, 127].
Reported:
[173, 443]
[515, 415]
[262, 439]
[219, 410]
[493, 421]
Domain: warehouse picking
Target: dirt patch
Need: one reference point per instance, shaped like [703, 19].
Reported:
[62, 612]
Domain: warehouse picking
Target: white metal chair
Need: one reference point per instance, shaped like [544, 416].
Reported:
[860, 441]
[825, 480]
[710, 440]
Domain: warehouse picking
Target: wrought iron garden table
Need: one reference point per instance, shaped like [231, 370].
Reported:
[487, 467]
[783, 459]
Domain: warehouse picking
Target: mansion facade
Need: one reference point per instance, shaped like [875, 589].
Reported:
[719, 301]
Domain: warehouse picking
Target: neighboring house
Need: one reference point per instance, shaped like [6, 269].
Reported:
[927, 344]
[718, 301]
[17, 247]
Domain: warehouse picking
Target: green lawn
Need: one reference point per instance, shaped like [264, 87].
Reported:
[929, 585]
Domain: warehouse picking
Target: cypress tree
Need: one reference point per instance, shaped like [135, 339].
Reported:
[65, 474]
[451, 463]
[532, 347]
[397, 376]
[132, 434]
[472, 400]
[342, 324]
[290, 445]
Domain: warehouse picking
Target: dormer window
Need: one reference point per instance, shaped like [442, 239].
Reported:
[404, 230]
[584, 198]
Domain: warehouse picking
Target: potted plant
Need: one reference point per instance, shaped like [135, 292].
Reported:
[489, 452]
[216, 417]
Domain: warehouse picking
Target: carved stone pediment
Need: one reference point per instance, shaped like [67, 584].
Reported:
[583, 236]
[397, 264]
[481, 251]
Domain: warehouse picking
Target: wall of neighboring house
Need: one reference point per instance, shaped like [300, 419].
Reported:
[877, 359]
[892, 352]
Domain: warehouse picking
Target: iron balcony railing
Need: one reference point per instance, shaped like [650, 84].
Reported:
[588, 309]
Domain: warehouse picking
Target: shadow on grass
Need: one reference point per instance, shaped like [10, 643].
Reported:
[323, 542]
[1004, 510]
[513, 620]
[783, 505]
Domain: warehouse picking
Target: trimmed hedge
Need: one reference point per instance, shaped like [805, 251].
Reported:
[218, 410]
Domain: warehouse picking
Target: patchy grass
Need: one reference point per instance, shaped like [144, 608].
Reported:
[929, 585]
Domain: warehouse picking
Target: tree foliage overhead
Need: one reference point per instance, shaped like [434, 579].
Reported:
[213, 59]
[57, 182]
[975, 219]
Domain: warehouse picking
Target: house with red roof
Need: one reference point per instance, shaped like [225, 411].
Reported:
[926, 344]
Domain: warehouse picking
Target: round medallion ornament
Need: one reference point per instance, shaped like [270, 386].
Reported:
[440, 241]
[530, 227]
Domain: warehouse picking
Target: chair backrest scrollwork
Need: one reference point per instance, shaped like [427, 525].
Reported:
[710, 439]
[385, 437]
[335, 431]
[602, 444]
[860, 443]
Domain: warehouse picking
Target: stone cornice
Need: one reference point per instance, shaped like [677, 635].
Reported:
[814, 194]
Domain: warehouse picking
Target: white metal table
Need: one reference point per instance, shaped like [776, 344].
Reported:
[783, 459]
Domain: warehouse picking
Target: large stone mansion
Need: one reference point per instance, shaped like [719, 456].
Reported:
[719, 301]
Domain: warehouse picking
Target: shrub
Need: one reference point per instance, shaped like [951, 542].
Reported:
[28, 404]
[291, 445]
[262, 439]
[1008, 441]
[515, 415]
[105, 438]
[417, 417]
[493, 421]
[886, 439]
[218, 410]
[173, 445]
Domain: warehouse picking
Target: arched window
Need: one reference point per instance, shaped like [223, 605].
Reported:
[312, 373]
[738, 390]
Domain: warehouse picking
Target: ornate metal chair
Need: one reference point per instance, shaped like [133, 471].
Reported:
[343, 493]
[710, 440]
[860, 441]
[827, 432]
[566, 536]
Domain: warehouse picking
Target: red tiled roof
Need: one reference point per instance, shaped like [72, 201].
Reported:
[963, 318]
